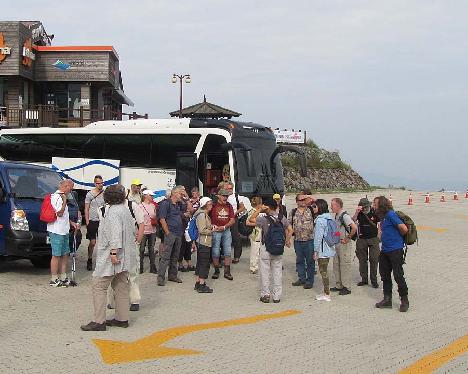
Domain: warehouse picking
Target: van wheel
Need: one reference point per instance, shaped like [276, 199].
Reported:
[41, 262]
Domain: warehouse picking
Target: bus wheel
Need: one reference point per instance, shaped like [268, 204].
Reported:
[41, 262]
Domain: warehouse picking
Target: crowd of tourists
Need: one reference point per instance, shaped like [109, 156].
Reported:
[123, 227]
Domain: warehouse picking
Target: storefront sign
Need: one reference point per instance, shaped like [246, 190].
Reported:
[28, 55]
[290, 136]
[4, 50]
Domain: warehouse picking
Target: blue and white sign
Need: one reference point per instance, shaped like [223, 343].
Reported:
[82, 170]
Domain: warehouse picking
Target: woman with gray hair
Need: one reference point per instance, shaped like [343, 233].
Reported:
[115, 256]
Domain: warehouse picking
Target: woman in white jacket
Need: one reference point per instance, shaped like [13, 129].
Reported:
[322, 251]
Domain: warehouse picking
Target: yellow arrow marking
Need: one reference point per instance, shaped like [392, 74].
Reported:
[151, 347]
[438, 358]
[438, 230]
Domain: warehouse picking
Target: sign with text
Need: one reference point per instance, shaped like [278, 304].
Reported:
[290, 136]
[4, 50]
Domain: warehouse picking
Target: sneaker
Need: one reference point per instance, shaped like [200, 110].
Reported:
[344, 291]
[335, 289]
[197, 284]
[114, 322]
[175, 280]
[134, 308]
[375, 285]
[362, 283]
[109, 306]
[276, 301]
[298, 283]
[323, 297]
[235, 261]
[161, 282]
[265, 299]
[56, 283]
[93, 326]
[203, 288]
[308, 286]
[253, 271]
[89, 264]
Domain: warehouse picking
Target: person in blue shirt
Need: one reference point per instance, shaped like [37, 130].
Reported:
[392, 231]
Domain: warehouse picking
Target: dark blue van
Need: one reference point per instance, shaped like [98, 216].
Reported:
[22, 190]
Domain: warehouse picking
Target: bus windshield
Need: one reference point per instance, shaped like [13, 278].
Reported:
[28, 183]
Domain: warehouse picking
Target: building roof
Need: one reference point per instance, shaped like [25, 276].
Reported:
[206, 110]
[77, 48]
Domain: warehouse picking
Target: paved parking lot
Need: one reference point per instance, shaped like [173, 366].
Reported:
[39, 325]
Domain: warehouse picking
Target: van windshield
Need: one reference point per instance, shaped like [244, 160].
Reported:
[28, 183]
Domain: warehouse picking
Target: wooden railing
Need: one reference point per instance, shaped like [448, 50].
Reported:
[52, 116]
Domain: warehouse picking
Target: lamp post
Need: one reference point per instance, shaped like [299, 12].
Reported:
[180, 77]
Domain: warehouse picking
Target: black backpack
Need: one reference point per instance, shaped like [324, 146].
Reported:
[347, 228]
[275, 237]
[242, 225]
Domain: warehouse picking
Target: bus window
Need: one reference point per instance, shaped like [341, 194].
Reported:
[131, 150]
[166, 146]
[31, 147]
[87, 146]
[14, 147]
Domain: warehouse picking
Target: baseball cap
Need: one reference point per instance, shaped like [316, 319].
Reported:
[204, 201]
[223, 192]
[148, 192]
[136, 182]
[276, 196]
[364, 202]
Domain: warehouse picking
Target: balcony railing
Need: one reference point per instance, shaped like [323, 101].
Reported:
[52, 116]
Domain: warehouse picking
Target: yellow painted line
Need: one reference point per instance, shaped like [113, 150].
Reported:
[438, 358]
[151, 347]
[438, 230]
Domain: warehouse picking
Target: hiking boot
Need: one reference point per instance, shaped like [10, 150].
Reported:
[344, 291]
[335, 289]
[375, 285]
[227, 272]
[153, 269]
[385, 303]
[298, 283]
[175, 280]
[265, 299]
[114, 322]
[89, 264]
[404, 306]
[362, 283]
[161, 281]
[134, 307]
[308, 285]
[216, 273]
[93, 326]
[203, 288]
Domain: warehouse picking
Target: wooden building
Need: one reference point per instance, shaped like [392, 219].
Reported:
[41, 84]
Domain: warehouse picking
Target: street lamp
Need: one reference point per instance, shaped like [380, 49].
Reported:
[180, 77]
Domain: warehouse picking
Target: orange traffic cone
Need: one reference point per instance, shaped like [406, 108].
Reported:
[442, 198]
[410, 199]
[455, 195]
[427, 199]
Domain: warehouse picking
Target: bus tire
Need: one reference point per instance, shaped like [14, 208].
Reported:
[42, 262]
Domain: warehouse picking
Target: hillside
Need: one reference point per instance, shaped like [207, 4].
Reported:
[325, 171]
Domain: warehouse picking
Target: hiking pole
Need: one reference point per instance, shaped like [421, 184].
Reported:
[73, 266]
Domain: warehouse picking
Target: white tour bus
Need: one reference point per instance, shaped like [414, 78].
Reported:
[161, 153]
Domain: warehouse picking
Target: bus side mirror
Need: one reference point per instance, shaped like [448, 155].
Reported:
[288, 148]
[246, 151]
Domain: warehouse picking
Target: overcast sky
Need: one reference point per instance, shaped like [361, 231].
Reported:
[383, 82]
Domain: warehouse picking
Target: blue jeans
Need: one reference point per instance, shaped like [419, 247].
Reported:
[305, 264]
[221, 238]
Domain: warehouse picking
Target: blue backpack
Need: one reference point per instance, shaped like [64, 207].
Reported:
[275, 237]
[192, 229]
[332, 236]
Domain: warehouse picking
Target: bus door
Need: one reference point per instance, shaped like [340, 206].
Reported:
[187, 170]
[213, 165]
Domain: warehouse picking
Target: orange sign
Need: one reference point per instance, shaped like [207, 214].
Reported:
[4, 50]
[28, 55]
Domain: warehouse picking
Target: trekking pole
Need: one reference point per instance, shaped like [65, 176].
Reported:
[73, 266]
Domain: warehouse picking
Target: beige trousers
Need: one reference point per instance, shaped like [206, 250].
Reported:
[134, 283]
[119, 284]
[254, 255]
[270, 267]
[342, 265]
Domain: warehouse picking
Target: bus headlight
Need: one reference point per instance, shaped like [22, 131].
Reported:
[19, 221]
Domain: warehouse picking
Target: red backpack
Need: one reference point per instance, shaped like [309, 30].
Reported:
[48, 213]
